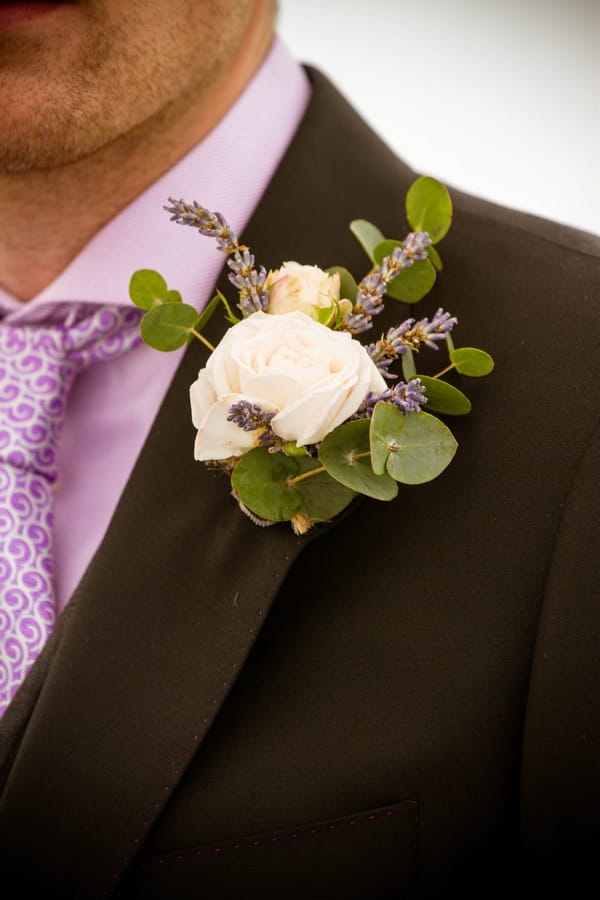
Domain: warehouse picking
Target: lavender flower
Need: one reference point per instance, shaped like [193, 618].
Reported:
[407, 398]
[409, 334]
[369, 297]
[208, 223]
[249, 282]
[252, 417]
[389, 347]
[429, 333]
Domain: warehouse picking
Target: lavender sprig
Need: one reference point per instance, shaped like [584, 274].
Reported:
[369, 297]
[250, 417]
[407, 397]
[430, 333]
[410, 334]
[250, 283]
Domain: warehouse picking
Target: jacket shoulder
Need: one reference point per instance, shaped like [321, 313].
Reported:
[515, 221]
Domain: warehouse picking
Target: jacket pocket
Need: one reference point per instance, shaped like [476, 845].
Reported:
[369, 854]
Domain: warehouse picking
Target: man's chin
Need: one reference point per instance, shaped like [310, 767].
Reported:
[37, 142]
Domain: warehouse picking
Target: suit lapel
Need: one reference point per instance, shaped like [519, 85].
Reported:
[170, 606]
[163, 622]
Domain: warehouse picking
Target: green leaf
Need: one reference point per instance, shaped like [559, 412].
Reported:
[411, 284]
[435, 257]
[444, 398]
[470, 361]
[387, 423]
[348, 286]
[167, 327]
[325, 314]
[368, 235]
[147, 288]
[260, 481]
[424, 448]
[384, 248]
[345, 453]
[429, 207]
[172, 297]
[322, 496]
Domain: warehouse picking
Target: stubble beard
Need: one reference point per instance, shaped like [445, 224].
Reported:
[115, 81]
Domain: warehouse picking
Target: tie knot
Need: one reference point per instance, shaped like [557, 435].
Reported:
[38, 364]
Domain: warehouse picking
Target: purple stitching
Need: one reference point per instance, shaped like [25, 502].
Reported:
[323, 829]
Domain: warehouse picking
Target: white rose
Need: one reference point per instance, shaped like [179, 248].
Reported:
[311, 377]
[304, 288]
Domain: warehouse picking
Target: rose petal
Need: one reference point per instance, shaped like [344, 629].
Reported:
[277, 390]
[202, 397]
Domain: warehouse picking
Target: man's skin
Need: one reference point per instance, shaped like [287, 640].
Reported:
[97, 99]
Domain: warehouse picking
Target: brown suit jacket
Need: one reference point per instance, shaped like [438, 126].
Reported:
[402, 704]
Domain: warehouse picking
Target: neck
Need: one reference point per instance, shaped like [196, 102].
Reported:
[48, 216]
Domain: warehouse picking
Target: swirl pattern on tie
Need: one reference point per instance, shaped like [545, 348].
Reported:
[38, 365]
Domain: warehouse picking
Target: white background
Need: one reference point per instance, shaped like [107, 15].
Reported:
[500, 98]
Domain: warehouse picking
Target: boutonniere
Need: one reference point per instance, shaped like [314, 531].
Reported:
[297, 409]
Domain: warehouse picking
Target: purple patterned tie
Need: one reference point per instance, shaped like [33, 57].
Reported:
[38, 365]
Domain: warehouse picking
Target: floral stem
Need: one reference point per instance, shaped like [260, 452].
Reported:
[443, 372]
[409, 369]
[201, 338]
[304, 475]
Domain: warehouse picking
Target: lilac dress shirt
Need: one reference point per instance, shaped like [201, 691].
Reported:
[112, 406]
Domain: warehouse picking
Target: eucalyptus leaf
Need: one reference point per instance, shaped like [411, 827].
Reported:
[429, 207]
[260, 480]
[147, 288]
[424, 448]
[444, 398]
[322, 496]
[435, 257]
[387, 424]
[325, 314]
[167, 327]
[348, 286]
[411, 284]
[345, 453]
[471, 361]
[384, 248]
[368, 235]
